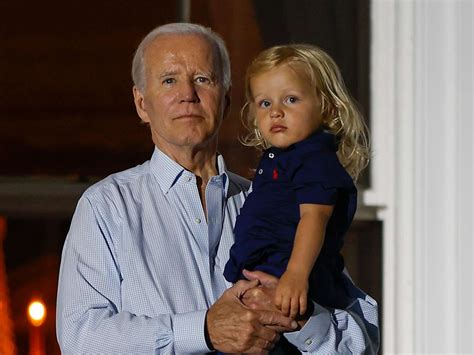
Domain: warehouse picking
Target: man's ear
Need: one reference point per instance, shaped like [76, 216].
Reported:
[139, 101]
[227, 101]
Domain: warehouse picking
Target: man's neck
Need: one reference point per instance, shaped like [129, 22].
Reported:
[201, 162]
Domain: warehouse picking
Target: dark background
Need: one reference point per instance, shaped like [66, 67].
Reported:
[67, 117]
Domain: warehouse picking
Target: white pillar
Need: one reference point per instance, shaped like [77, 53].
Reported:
[421, 107]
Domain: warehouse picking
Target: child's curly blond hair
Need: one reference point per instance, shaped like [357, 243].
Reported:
[339, 111]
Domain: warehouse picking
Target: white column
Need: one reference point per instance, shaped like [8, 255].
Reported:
[421, 107]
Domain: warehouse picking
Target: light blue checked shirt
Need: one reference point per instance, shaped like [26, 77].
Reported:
[141, 265]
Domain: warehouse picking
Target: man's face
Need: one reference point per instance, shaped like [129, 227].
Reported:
[183, 99]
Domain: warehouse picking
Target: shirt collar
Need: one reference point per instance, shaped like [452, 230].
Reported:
[168, 172]
[318, 141]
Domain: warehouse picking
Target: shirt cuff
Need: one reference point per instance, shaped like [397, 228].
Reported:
[188, 330]
[314, 331]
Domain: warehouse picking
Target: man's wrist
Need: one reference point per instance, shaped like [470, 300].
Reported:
[188, 332]
[314, 332]
[206, 335]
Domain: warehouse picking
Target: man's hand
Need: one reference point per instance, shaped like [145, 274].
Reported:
[262, 296]
[234, 327]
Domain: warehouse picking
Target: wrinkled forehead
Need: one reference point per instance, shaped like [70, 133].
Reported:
[189, 50]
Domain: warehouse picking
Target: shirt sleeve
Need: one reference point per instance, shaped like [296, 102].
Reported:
[89, 314]
[316, 193]
[353, 330]
[319, 178]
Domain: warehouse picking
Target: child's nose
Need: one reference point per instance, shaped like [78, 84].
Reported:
[276, 112]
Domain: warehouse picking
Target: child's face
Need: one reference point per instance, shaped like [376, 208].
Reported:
[287, 108]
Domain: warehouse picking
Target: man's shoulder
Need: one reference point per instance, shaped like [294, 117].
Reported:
[113, 183]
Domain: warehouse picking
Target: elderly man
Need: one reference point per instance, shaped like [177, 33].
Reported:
[141, 270]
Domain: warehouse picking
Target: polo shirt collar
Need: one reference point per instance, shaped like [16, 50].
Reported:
[320, 140]
[168, 172]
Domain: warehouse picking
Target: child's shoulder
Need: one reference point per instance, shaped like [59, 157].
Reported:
[323, 166]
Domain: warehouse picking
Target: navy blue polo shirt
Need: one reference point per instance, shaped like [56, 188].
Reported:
[306, 172]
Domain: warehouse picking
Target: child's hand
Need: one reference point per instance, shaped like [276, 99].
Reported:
[291, 294]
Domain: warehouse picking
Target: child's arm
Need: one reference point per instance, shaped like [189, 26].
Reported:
[292, 290]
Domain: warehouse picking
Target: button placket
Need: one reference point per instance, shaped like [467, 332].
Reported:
[187, 179]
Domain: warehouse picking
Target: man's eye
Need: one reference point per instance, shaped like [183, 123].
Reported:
[291, 99]
[264, 104]
[202, 80]
[169, 81]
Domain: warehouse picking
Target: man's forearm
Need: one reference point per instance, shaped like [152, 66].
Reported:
[100, 330]
[93, 316]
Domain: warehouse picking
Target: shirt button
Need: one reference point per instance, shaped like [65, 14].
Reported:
[271, 155]
[260, 171]
[197, 220]
[308, 342]
[189, 178]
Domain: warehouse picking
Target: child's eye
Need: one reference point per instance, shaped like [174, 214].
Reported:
[291, 99]
[264, 104]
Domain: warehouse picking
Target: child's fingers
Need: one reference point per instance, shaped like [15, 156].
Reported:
[277, 300]
[303, 304]
[294, 307]
[285, 305]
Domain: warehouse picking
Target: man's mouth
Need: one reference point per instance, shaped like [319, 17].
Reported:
[188, 116]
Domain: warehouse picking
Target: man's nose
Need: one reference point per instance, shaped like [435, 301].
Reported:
[188, 93]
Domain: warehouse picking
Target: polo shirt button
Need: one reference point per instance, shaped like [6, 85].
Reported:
[197, 220]
[308, 342]
[189, 178]
[271, 155]
[260, 171]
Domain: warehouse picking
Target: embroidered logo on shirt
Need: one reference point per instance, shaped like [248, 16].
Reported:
[275, 174]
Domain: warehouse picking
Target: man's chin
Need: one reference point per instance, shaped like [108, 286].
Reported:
[186, 142]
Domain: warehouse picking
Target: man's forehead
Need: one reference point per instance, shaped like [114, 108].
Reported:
[188, 43]
[174, 50]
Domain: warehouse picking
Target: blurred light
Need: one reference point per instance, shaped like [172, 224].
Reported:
[36, 313]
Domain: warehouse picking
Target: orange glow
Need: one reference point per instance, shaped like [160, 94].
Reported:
[7, 345]
[36, 313]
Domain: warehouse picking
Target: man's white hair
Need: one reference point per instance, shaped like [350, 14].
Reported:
[138, 64]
